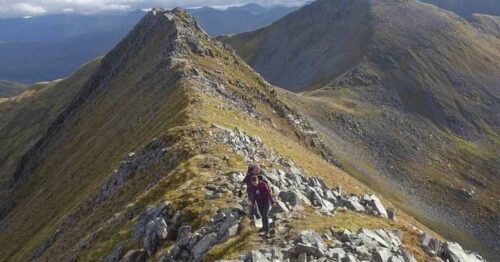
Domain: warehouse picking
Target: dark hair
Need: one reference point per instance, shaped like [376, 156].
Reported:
[252, 167]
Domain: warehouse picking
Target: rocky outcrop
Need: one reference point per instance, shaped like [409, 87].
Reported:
[293, 186]
[133, 164]
[367, 245]
[447, 251]
[192, 246]
[294, 189]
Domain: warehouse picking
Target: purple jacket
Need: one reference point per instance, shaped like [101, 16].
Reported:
[261, 194]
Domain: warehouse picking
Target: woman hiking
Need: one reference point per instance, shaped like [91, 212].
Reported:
[263, 199]
[253, 170]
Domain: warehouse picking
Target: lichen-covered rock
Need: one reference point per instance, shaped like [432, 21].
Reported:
[156, 230]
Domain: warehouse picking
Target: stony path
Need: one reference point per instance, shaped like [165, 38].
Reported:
[294, 190]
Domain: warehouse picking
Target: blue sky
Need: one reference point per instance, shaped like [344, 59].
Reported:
[19, 8]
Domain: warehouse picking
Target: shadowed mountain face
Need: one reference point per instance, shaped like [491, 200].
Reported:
[409, 89]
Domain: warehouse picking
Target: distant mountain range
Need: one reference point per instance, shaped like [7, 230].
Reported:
[50, 47]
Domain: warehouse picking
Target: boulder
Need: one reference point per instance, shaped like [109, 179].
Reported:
[236, 178]
[156, 230]
[311, 243]
[290, 197]
[371, 234]
[454, 253]
[354, 205]
[349, 258]
[425, 239]
[257, 256]
[183, 235]
[390, 239]
[382, 255]
[280, 207]
[135, 255]
[309, 250]
[336, 254]
[203, 245]
[229, 221]
[161, 210]
[330, 197]
[408, 257]
[314, 196]
[362, 252]
[376, 204]
[345, 236]
[327, 205]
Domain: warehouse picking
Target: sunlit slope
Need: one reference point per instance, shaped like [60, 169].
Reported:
[145, 129]
[413, 108]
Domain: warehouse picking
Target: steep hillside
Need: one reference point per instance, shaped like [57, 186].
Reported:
[8, 89]
[466, 8]
[487, 23]
[144, 164]
[408, 89]
[26, 118]
[291, 65]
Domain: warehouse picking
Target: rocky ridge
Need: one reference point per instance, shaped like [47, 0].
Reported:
[155, 205]
[295, 190]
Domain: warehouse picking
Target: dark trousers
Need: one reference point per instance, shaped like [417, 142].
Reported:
[264, 209]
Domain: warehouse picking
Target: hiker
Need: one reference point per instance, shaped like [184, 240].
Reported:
[253, 170]
[263, 199]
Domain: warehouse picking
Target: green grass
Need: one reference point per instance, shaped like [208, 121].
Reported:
[9, 89]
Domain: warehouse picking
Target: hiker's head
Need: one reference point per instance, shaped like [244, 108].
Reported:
[254, 169]
[254, 180]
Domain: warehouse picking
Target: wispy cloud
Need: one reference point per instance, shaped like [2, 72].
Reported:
[18, 8]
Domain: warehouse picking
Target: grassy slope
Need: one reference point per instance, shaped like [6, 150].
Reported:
[487, 23]
[207, 111]
[130, 112]
[26, 118]
[125, 117]
[8, 89]
[418, 110]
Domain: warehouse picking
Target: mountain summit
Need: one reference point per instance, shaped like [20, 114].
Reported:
[140, 126]
[408, 88]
